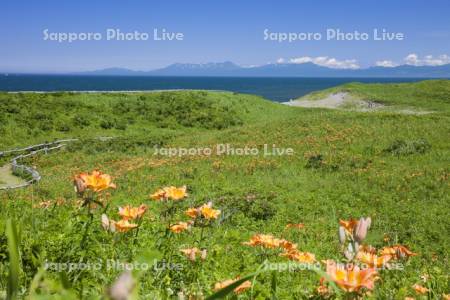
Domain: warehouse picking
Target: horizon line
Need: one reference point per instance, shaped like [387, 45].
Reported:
[82, 72]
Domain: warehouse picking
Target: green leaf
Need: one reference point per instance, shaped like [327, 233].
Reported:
[65, 280]
[274, 285]
[14, 260]
[35, 282]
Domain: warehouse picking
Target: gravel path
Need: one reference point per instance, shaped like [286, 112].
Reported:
[7, 178]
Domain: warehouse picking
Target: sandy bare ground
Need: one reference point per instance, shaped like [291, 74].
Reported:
[346, 101]
[7, 178]
[337, 100]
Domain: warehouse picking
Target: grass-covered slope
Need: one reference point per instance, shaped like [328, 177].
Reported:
[429, 95]
[392, 167]
[44, 116]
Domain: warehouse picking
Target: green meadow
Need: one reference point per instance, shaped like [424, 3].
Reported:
[390, 166]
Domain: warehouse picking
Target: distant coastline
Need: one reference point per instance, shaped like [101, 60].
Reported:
[112, 91]
[279, 89]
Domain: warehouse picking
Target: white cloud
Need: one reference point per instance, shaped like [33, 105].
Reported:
[386, 63]
[412, 59]
[326, 61]
[249, 66]
[301, 60]
[428, 60]
[331, 62]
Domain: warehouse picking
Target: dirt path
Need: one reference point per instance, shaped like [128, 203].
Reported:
[7, 178]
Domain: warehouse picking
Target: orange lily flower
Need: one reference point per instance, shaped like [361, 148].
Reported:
[397, 252]
[124, 226]
[264, 240]
[241, 288]
[192, 253]
[127, 212]
[295, 226]
[372, 260]
[158, 195]
[287, 245]
[349, 225]
[420, 289]
[209, 213]
[205, 210]
[180, 227]
[193, 212]
[367, 248]
[302, 257]
[176, 193]
[96, 181]
[352, 279]
[43, 204]
[170, 192]
[322, 289]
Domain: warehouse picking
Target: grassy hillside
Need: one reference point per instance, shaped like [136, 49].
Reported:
[46, 116]
[391, 167]
[432, 95]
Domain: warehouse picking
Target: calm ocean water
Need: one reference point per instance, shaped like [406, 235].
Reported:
[276, 89]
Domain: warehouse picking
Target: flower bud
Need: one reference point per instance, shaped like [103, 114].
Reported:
[399, 253]
[123, 287]
[192, 255]
[107, 224]
[342, 236]
[350, 248]
[79, 185]
[355, 247]
[203, 254]
[360, 232]
[349, 255]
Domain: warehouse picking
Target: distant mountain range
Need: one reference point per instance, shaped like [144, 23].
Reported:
[280, 70]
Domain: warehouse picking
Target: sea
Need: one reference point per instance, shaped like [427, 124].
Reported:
[275, 89]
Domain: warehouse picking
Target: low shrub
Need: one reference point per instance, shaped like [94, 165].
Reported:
[401, 147]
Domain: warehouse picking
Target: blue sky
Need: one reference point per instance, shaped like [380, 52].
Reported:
[216, 31]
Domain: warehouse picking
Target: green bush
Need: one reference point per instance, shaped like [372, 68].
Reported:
[63, 126]
[107, 124]
[81, 121]
[401, 147]
[314, 162]
[256, 207]
[120, 125]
